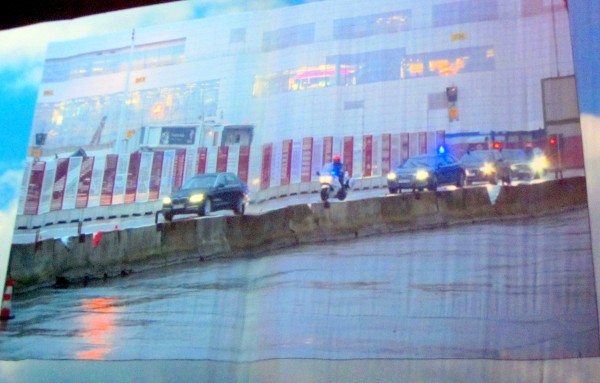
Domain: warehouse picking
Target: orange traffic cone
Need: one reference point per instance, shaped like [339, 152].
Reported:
[6, 301]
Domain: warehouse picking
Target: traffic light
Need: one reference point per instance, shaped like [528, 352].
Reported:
[497, 145]
[452, 94]
[553, 140]
[40, 138]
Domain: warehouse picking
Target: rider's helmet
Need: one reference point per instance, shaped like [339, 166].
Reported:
[337, 159]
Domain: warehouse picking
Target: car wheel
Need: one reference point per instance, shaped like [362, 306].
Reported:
[168, 217]
[240, 206]
[393, 190]
[433, 184]
[324, 195]
[461, 180]
[207, 207]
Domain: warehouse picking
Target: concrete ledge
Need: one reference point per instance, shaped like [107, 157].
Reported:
[37, 265]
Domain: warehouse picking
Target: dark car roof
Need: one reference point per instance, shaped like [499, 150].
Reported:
[425, 159]
[476, 156]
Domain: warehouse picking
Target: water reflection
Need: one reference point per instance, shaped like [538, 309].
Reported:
[98, 324]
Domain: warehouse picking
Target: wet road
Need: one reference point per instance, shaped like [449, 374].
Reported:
[519, 289]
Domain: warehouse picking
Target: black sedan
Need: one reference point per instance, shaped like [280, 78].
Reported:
[480, 165]
[427, 171]
[205, 193]
[526, 164]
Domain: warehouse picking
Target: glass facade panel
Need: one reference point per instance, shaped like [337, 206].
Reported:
[363, 26]
[74, 122]
[289, 37]
[114, 60]
[467, 11]
[376, 66]
[368, 67]
[449, 62]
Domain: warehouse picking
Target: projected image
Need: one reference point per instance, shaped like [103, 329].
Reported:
[336, 136]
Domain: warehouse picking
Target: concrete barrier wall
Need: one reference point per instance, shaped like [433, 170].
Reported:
[38, 265]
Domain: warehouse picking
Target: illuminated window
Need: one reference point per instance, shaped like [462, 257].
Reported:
[449, 62]
[368, 67]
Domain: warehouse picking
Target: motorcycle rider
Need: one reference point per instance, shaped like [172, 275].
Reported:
[338, 169]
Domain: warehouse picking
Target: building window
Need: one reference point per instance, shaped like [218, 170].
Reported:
[115, 60]
[461, 12]
[363, 26]
[289, 37]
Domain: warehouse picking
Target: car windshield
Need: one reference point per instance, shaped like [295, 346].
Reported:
[477, 157]
[203, 182]
[418, 162]
[513, 155]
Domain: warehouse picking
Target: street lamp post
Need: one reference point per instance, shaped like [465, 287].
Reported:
[121, 143]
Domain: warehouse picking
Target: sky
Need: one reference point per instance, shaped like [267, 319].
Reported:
[22, 53]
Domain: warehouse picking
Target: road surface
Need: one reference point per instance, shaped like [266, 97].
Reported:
[516, 289]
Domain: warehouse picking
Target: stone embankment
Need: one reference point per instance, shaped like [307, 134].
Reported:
[79, 260]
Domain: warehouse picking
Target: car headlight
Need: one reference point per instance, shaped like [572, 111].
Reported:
[391, 176]
[513, 167]
[539, 164]
[487, 168]
[167, 201]
[196, 198]
[421, 175]
[325, 179]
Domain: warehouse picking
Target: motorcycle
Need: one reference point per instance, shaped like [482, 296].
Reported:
[331, 187]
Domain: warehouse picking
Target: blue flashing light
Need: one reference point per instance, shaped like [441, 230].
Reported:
[441, 149]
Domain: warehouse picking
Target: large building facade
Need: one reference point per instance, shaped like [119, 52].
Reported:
[376, 83]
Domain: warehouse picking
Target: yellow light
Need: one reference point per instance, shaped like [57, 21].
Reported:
[421, 175]
[158, 109]
[197, 198]
[167, 201]
[391, 176]
[326, 179]
[487, 168]
[539, 164]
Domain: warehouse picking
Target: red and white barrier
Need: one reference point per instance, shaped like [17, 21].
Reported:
[76, 188]
[7, 301]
